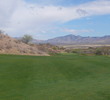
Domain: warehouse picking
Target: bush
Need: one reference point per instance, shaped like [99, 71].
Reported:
[27, 38]
[98, 52]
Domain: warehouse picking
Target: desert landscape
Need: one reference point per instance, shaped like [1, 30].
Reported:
[54, 50]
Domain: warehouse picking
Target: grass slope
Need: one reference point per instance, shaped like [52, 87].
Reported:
[62, 77]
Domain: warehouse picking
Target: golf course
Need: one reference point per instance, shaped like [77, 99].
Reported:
[59, 77]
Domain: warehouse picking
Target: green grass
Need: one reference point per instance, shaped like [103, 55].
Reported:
[61, 77]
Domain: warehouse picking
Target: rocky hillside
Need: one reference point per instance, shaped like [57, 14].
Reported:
[9, 45]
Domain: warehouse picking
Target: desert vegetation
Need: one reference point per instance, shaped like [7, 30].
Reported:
[26, 38]
[104, 50]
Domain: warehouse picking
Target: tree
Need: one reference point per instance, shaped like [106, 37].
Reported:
[27, 38]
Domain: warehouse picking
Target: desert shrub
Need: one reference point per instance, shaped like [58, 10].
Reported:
[27, 38]
[103, 51]
[98, 52]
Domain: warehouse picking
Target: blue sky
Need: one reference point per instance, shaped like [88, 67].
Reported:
[44, 19]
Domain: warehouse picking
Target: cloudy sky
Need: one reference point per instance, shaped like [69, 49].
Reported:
[45, 19]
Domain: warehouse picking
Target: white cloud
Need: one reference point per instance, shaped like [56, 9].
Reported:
[18, 17]
[75, 32]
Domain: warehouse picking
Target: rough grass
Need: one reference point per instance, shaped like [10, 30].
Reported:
[61, 77]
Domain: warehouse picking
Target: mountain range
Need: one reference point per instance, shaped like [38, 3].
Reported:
[77, 40]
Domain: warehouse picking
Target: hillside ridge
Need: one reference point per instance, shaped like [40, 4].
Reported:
[10, 45]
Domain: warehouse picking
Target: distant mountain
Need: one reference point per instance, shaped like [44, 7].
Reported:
[78, 40]
[75, 40]
[37, 41]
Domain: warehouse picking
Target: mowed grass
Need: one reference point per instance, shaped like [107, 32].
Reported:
[61, 77]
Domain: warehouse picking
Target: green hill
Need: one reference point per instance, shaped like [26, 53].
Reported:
[61, 77]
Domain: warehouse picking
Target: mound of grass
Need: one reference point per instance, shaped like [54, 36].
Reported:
[60, 77]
